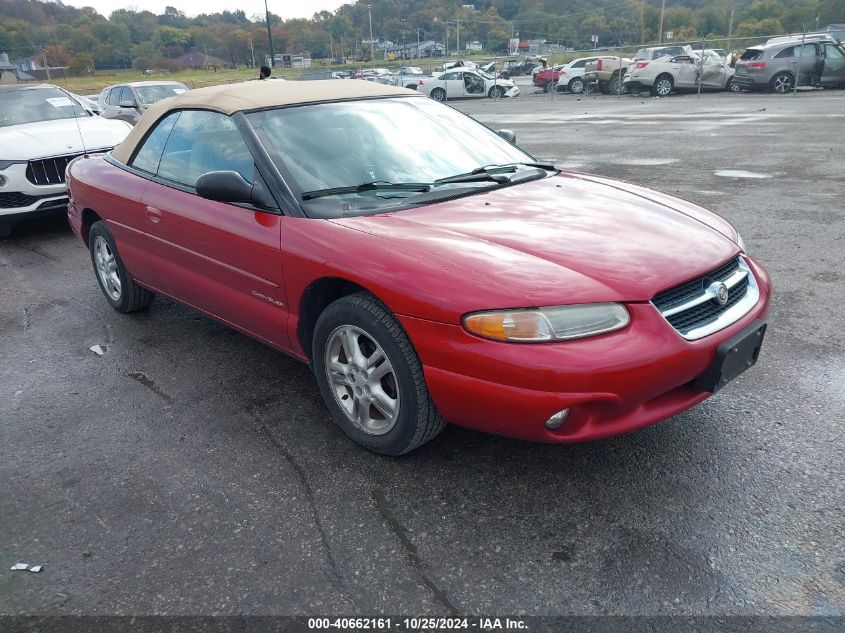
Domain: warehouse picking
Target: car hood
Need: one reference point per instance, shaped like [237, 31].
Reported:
[53, 138]
[563, 240]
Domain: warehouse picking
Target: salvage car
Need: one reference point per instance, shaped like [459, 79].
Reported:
[42, 128]
[607, 73]
[127, 102]
[817, 60]
[571, 76]
[666, 74]
[449, 279]
[466, 84]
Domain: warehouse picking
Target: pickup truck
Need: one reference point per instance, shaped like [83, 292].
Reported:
[608, 71]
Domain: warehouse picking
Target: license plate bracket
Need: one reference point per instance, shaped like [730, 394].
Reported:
[733, 357]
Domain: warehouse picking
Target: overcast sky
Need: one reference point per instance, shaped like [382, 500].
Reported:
[284, 8]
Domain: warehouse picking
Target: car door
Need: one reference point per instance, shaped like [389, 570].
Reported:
[453, 81]
[684, 69]
[833, 74]
[127, 217]
[713, 71]
[222, 258]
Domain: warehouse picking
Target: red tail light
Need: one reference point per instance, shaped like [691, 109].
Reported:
[757, 65]
[642, 64]
[598, 65]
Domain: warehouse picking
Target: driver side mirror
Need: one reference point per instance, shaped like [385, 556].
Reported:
[230, 186]
[508, 135]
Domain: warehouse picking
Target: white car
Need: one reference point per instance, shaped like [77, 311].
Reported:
[683, 72]
[43, 128]
[571, 76]
[465, 83]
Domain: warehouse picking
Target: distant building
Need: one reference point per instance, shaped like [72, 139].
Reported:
[288, 60]
[474, 46]
[29, 68]
[8, 71]
[413, 50]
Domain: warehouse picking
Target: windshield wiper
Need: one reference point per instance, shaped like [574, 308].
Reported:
[367, 186]
[493, 173]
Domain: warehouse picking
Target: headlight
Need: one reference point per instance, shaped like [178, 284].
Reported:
[558, 323]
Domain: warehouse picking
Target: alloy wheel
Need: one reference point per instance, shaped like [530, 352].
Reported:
[107, 268]
[664, 87]
[782, 83]
[362, 380]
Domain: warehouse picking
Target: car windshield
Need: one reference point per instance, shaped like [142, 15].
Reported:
[410, 142]
[30, 105]
[151, 94]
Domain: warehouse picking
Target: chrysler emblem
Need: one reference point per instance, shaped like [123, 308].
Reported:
[719, 292]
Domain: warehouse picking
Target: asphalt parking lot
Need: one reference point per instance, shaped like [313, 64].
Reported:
[191, 470]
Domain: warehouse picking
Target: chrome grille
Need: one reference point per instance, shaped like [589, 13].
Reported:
[694, 311]
[48, 171]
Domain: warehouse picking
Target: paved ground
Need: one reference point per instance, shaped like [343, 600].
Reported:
[191, 470]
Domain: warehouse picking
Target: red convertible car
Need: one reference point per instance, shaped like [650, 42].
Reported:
[449, 279]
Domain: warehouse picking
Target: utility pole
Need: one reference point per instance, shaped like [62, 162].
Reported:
[372, 45]
[404, 48]
[46, 65]
[458, 44]
[660, 35]
[418, 43]
[269, 35]
[252, 50]
[446, 53]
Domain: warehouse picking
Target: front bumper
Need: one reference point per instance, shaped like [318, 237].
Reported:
[612, 384]
[513, 92]
[28, 198]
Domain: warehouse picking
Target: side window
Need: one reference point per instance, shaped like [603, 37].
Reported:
[579, 64]
[147, 158]
[833, 52]
[203, 141]
[453, 76]
[809, 50]
[114, 96]
[126, 94]
[787, 52]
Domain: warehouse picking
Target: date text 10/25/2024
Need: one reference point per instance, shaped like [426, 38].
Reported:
[417, 624]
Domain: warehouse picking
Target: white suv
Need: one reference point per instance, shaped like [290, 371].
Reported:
[43, 128]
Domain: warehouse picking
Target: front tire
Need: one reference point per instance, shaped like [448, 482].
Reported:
[118, 287]
[733, 86]
[496, 92]
[438, 94]
[615, 86]
[371, 378]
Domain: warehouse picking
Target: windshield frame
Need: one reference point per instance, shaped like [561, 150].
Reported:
[289, 189]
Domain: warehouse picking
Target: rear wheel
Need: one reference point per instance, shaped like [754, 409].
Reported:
[662, 86]
[615, 86]
[438, 94]
[496, 92]
[732, 86]
[782, 83]
[576, 86]
[120, 290]
[371, 378]
[550, 86]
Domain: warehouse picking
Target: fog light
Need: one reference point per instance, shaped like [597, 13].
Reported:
[557, 419]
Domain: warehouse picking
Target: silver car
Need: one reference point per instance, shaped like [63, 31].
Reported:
[818, 61]
[127, 102]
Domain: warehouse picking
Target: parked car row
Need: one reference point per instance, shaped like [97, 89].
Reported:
[43, 128]
[814, 60]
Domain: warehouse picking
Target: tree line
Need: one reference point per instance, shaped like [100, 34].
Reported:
[83, 39]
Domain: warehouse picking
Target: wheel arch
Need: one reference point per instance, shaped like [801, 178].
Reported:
[316, 297]
[89, 216]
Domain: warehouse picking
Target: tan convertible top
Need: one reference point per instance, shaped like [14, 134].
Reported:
[249, 95]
